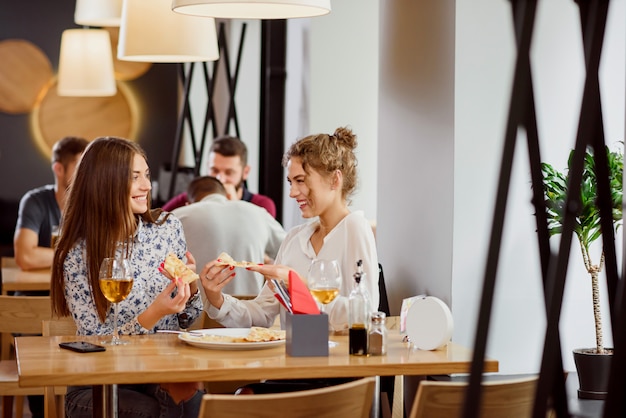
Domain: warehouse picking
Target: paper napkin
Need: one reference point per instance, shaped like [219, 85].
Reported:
[301, 299]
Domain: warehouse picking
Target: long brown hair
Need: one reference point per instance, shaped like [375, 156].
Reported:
[98, 211]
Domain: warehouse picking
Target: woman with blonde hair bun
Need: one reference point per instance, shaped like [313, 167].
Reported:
[322, 174]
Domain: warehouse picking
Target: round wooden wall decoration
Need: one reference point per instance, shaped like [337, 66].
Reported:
[125, 70]
[24, 72]
[88, 117]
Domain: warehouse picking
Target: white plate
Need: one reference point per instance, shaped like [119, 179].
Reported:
[230, 332]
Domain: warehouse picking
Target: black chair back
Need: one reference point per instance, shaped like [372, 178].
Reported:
[383, 304]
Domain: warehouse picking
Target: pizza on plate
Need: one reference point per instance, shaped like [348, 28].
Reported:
[177, 269]
[260, 334]
[255, 335]
[212, 338]
[227, 260]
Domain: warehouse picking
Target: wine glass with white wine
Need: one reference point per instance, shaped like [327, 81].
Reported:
[324, 281]
[116, 281]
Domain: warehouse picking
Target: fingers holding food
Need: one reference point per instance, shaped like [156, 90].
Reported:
[224, 259]
[175, 267]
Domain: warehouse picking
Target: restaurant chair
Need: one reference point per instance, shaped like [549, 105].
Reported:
[352, 399]
[54, 396]
[18, 315]
[383, 304]
[58, 326]
[500, 398]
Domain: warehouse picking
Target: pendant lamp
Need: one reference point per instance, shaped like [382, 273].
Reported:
[86, 64]
[253, 9]
[98, 12]
[151, 32]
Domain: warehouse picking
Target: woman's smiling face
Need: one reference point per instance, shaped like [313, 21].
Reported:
[140, 185]
[312, 192]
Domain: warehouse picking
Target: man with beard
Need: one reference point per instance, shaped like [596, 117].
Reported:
[41, 209]
[228, 162]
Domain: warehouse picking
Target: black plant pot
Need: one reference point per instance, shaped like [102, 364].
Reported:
[593, 372]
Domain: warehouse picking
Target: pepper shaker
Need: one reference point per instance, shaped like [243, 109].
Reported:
[377, 344]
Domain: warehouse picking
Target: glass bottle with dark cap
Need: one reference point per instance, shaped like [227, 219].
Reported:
[358, 314]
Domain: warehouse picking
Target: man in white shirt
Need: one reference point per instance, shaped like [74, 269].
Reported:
[214, 224]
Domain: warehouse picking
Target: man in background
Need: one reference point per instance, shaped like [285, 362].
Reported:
[39, 212]
[215, 224]
[41, 209]
[228, 162]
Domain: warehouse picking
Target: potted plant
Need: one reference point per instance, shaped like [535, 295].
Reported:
[590, 362]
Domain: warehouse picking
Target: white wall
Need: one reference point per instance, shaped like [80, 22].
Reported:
[416, 148]
[484, 67]
[445, 86]
[337, 85]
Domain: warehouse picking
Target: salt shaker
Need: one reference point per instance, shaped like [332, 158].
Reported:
[377, 335]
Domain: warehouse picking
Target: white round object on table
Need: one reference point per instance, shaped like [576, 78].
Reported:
[429, 323]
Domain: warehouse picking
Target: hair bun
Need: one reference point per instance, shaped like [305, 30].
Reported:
[345, 135]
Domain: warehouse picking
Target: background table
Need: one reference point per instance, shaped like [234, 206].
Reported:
[14, 278]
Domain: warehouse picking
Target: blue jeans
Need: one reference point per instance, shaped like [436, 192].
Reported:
[149, 401]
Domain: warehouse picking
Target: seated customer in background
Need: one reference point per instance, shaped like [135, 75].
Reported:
[214, 224]
[228, 162]
[322, 175]
[41, 208]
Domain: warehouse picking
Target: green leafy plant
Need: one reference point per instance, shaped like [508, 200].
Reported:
[587, 227]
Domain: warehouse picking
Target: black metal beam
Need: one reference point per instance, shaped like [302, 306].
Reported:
[272, 122]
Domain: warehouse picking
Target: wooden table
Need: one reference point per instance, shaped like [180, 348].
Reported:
[14, 278]
[164, 358]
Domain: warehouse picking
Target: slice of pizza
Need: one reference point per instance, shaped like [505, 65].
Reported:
[177, 269]
[260, 334]
[227, 260]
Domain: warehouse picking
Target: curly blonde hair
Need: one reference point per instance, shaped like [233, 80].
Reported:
[327, 153]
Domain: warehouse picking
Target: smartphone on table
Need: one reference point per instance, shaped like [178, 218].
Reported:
[82, 346]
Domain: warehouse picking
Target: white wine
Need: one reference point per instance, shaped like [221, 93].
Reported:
[116, 290]
[324, 295]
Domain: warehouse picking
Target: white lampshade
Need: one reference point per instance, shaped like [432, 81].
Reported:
[98, 12]
[151, 32]
[86, 64]
[253, 9]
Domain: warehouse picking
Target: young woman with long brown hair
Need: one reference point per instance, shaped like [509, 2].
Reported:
[108, 213]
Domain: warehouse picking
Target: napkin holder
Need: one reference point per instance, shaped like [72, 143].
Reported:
[429, 323]
[307, 335]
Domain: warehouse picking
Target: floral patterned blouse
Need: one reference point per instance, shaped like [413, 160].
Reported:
[151, 243]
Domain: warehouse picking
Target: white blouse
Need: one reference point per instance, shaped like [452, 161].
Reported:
[351, 240]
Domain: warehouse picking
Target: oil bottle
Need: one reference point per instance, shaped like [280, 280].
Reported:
[358, 314]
